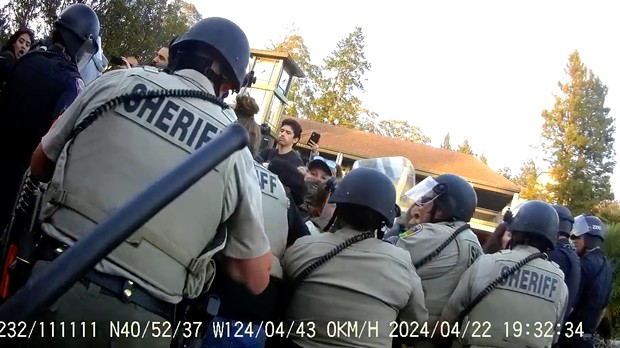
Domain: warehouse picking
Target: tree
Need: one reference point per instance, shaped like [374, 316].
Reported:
[446, 142]
[152, 24]
[507, 173]
[38, 15]
[137, 27]
[465, 148]
[483, 159]
[608, 211]
[578, 140]
[303, 91]
[5, 24]
[17, 14]
[527, 179]
[343, 73]
[400, 129]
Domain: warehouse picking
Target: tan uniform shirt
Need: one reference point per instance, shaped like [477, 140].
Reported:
[368, 285]
[125, 150]
[524, 311]
[440, 275]
[275, 208]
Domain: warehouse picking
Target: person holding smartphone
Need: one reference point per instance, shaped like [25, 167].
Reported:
[289, 135]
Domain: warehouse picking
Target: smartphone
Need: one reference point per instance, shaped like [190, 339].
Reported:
[315, 136]
[116, 60]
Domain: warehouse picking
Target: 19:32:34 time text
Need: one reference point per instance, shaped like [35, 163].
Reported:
[546, 329]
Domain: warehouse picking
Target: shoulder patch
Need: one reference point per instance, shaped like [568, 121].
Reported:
[412, 231]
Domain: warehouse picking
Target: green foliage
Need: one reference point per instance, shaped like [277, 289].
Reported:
[609, 212]
[507, 173]
[342, 81]
[578, 140]
[483, 158]
[402, 130]
[303, 91]
[141, 27]
[611, 248]
[128, 27]
[38, 15]
[465, 148]
[446, 142]
[330, 93]
[527, 179]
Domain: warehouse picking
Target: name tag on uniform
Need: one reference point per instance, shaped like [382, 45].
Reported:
[411, 232]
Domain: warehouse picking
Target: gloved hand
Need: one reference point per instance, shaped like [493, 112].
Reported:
[507, 216]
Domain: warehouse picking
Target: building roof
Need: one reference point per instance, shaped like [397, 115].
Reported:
[289, 62]
[424, 158]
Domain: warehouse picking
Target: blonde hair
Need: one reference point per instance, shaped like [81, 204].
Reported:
[246, 108]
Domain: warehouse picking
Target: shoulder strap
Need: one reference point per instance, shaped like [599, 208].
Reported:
[440, 248]
[496, 282]
[323, 259]
[138, 96]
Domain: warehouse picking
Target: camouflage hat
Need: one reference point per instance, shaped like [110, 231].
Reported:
[311, 192]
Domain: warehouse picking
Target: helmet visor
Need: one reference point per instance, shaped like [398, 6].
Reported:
[424, 192]
[85, 53]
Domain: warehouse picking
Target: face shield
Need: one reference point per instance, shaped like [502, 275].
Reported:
[426, 191]
[399, 170]
[85, 53]
[328, 208]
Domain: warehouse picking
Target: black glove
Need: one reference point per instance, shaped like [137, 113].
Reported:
[507, 216]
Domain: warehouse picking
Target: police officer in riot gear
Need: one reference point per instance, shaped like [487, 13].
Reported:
[42, 85]
[442, 245]
[513, 286]
[238, 307]
[343, 264]
[97, 164]
[566, 257]
[588, 235]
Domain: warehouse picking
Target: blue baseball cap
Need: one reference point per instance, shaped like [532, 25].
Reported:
[325, 165]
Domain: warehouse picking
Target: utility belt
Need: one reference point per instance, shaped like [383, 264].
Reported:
[115, 286]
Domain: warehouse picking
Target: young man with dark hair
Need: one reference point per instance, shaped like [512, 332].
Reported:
[290, 133]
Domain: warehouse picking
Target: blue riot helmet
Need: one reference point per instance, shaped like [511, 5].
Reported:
[221, 38]
[78, 26]
[588, 225]
[566, 219]
[535, 218]
[368, 188]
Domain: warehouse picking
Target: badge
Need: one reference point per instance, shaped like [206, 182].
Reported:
[412, 231]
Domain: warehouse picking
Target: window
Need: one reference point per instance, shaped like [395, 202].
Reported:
[274, 113]
[263, 71]
[284, 79]
[261, 97]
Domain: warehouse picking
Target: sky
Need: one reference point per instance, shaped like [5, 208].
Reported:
[481, 70]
